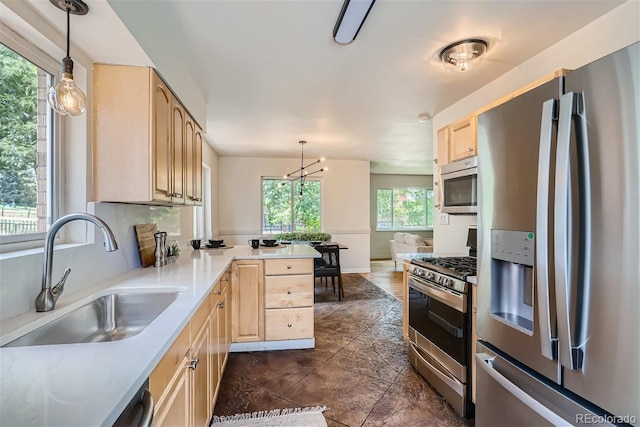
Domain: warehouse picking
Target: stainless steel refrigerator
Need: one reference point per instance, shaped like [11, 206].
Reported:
[558, 256]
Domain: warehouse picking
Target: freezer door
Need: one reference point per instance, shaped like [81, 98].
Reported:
[508, 160]
[602, 323]
[507, 395]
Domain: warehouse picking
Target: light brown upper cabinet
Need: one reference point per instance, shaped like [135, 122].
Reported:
[145, 143]
[462, 139]
[443, 146]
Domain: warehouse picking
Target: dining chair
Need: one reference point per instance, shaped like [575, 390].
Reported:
[329, 266]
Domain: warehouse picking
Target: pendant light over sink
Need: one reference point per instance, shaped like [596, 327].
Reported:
[65, 97]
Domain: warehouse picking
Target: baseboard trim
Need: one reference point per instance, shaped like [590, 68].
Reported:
[273, 345]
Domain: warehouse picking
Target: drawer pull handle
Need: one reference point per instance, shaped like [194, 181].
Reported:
[218, 292]
[221, 304]
[289, 325]
[289, 291]
[288, 267]
[194, 364]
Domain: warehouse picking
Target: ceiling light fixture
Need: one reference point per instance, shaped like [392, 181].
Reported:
[302, 172]
[351, 18]
[65, 97]
[463, 55]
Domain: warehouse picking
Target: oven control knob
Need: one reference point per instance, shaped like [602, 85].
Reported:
[431, 276]
[450, 283]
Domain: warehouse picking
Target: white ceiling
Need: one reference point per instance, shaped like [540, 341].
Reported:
[271, 74]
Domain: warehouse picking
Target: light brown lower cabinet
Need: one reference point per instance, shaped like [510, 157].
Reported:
[173, 408]
[247, 298]
[186, 381]
[288, 295]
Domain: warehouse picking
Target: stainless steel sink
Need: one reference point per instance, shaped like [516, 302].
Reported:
[110, 317]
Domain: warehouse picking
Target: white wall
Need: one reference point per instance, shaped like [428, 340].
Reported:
[613, 31]
[210, 158]
[90, 264]
[344, 194]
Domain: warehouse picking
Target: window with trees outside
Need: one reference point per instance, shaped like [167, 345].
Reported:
[404, 209]
[26, 141]
[285, 208]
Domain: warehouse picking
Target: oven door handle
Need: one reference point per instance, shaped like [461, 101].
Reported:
[453, 300]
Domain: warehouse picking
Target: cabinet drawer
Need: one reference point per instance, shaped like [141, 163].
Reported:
[288, 266]
[288, 291]
[288, 323]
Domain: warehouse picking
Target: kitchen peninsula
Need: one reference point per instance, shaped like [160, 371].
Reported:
[91, 383]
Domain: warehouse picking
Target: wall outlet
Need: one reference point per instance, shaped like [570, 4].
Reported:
[444, 218]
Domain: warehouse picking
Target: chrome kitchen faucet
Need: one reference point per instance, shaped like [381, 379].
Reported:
[46, 299]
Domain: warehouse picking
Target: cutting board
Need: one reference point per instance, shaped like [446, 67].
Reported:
[146, 243]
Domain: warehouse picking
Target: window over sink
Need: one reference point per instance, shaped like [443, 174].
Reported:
[29, 164]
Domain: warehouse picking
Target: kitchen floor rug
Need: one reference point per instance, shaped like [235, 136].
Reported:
[291, 417]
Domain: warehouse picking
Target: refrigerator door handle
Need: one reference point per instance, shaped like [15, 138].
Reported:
[485, 362]
[569, 288]
[548, 340]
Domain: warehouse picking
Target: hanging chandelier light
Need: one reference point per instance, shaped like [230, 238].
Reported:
[65, 97]
[302, 173]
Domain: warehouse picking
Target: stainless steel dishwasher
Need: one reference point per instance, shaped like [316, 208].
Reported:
[139, 411]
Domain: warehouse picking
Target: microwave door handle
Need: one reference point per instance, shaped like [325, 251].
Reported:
[568, 310]
[548, 340]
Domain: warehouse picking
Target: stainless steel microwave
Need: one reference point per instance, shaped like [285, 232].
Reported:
[460, 186]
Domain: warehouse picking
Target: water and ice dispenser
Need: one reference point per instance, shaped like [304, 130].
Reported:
[512, 278]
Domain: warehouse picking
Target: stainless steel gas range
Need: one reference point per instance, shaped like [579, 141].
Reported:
[440, 326]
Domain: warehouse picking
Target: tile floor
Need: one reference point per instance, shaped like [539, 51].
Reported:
[359, 368]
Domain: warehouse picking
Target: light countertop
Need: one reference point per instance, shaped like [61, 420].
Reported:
[91, 384]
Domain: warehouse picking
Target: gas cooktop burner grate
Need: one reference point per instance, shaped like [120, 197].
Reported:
[457, 266]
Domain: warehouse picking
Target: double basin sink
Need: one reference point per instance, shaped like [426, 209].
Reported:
[112, 317]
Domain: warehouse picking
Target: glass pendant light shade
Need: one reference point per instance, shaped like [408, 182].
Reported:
[65, 97]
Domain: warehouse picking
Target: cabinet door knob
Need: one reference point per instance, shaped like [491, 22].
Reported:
[219, 292]
[288, 267]
[194, 364]
[289, 291]
[178, 195]
[221, 304]
[469, 149]
[289, 325]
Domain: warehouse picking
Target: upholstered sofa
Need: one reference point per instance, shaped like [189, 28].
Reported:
[408, 243]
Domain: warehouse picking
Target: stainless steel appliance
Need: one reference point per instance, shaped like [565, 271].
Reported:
[459, 186]
[440, 326]
[558, 270]
[139, 411]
